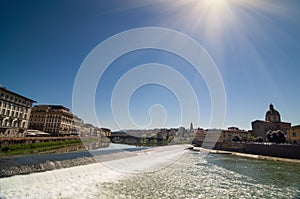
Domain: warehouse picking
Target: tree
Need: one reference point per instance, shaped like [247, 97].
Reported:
[279, 137]
[276, 137]
[250, 137]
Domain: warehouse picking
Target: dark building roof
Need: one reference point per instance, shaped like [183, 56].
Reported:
[8, 91]
[53, 107]
[272, 111]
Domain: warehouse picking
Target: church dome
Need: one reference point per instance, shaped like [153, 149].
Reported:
[272, 115]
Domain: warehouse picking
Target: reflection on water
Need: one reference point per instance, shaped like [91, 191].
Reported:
[195, 175]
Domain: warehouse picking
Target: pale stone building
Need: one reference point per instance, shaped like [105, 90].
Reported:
[54, 119]
[272, 122]
[200, 135]
[15, 111]
[78, 125]
[233, 134]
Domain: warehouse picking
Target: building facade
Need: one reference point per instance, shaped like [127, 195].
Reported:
[293, 135]
[272, 122]
[233, 134]
[54, 119]
[200, 135]
[15, 111]
[78, 125]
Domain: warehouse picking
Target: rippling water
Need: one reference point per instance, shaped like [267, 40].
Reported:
[195, 175]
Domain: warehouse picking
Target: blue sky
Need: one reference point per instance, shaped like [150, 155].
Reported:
[255, 45]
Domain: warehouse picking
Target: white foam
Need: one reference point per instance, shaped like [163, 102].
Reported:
[84, 181]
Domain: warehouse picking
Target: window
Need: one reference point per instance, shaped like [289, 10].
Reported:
[294, 134]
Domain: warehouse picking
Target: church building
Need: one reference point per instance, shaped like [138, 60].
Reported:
[272, 122]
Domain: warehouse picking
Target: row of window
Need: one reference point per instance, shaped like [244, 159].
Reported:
[10, 123]
[13, 114]
[67, 122]
[51, 116]
[13, 107]
[52, 125]
[43, 115]
[15, 99]
[42, 120]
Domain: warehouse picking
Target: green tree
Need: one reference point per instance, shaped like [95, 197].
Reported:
[250, 137]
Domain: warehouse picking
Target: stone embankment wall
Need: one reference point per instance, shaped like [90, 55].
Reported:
[267, 149]
[276, 150]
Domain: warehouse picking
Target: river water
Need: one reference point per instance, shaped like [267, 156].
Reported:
[197, 175]
[192, 175]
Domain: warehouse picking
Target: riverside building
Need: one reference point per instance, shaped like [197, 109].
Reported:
[293, 135]
[78, 125]
[272, 122]
[15, 111]
[54, 119]
[233, 134]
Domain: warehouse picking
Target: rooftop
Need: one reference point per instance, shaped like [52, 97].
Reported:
[2, 88]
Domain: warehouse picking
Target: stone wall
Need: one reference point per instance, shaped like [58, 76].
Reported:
[269, 149]
[276, 150]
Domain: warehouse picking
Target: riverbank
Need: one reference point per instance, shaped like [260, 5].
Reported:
[46, 145]
[262, 157]
[41, 147]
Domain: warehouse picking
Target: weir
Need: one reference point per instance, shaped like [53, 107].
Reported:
[16, 165]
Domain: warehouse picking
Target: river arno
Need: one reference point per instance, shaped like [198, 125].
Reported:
[197, 175]
[192, 175]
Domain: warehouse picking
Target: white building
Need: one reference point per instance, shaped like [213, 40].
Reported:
[15, 111]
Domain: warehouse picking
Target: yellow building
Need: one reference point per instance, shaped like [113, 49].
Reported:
[293, 135]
